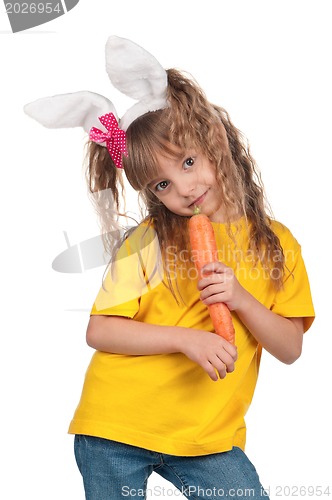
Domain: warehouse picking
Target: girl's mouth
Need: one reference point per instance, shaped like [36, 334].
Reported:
[198, 201]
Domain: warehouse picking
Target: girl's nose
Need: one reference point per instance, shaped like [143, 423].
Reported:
[186, 188]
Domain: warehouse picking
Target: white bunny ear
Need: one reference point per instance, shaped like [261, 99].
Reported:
[137, 74]
[79, 109]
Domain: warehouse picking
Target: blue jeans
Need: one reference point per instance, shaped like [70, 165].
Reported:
[116, 471]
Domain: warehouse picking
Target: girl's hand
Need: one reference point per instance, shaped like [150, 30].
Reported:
[219, 284]
[213, 353]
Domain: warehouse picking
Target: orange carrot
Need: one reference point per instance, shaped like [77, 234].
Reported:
[204, 250]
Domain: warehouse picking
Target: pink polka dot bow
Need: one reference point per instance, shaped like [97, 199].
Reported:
[115, 138]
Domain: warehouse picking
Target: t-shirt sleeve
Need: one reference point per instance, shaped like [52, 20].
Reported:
[294, 299]
[134, 271]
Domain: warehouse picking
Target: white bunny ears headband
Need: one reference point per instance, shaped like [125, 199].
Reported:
[133, 71]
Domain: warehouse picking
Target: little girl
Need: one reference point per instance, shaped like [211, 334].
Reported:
[163, 392]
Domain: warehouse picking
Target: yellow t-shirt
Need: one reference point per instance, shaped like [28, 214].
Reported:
[166, 402]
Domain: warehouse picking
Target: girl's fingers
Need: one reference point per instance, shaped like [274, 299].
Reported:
[231, 349]
[221, 369]
[211, 280]
[214, 267]
[222, 275]
[218, 366]
[210, 370]
[212, 292]
[216, 369]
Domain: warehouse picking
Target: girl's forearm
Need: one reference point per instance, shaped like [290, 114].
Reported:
[281, 337]
[120, 335]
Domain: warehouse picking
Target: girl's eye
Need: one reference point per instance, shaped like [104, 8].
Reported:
[161, 185]
[189, 162]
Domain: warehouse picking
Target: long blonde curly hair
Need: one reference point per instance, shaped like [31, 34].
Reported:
[190, 120]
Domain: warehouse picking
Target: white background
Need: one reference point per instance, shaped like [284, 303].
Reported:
[268, 63]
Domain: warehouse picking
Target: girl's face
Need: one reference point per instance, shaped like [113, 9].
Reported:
[186, 182]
